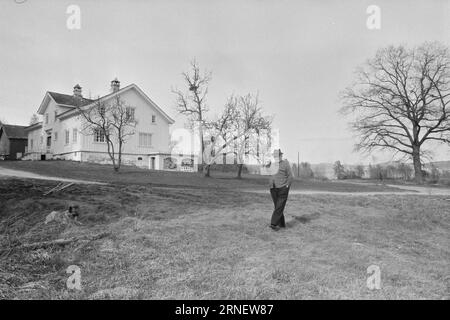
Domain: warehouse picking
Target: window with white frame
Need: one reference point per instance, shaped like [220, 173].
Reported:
[46, 118]
[74, 135]
[130, 113]
[67, 136]
[153, 119]
[31, 144]
[145, 139]
[56, 136]
[99, 135]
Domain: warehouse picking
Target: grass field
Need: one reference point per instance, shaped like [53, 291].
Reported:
[135, 175]
[179, 235]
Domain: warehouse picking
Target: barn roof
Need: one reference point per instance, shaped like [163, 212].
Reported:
[14, 132]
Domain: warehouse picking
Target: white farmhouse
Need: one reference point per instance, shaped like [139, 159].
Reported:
[60, 134]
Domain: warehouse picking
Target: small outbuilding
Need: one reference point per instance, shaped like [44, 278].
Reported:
[13, 142]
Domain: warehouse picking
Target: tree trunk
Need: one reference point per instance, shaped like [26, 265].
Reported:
[111, 154]
[207, 170]
[114, 162]
[418, 176]
[202, 141]
[240, 166]
[119, 161]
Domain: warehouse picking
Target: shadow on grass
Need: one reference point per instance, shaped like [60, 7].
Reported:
[303, 219]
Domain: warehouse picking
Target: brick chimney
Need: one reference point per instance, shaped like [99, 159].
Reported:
[77, 91]
[115, 85]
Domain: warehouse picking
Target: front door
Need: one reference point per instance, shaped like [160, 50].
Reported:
[49, 143]
[152, 163]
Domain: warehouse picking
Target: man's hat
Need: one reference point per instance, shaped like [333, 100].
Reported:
[277, 151]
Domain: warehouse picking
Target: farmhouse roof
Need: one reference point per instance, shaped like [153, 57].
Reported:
[69, 100]
[73, 111]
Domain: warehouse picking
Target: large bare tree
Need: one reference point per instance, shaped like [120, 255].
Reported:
[112, 122]
[241, 120]
[400, 101]
[220, 130]
[191, 102]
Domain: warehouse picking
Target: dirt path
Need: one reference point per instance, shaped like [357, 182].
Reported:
[29, 175]
[423, 190]
[405, 190]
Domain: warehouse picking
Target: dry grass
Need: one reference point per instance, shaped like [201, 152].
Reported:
[213, 243]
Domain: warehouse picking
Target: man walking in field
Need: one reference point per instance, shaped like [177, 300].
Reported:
[280, 182]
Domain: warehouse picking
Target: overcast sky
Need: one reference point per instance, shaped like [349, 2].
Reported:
[297, 54]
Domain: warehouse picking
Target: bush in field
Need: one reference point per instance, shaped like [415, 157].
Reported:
[433, 175]
[342, 173]
[339, 170]
[444, 178]
[377, 172]
[360, 172]
[320, 172]
[305, 171]
[405, 171]
[351, 174]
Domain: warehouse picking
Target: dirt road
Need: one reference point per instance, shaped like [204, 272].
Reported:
[402, 190]
[29, 175]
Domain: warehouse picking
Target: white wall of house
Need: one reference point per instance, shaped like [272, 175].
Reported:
[144, 113]
[34, 141]
[70, 140]
[56, 128]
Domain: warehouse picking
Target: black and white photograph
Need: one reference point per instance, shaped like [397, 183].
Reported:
[224, 155]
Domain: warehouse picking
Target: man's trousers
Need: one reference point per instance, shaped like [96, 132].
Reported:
[279, 197]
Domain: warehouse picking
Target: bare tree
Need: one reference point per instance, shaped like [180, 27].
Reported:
[360, 171]
[305, 171]
[111, 122]
[192, 102]
[405, 171]
[241, 119]
[339, 170]
[252, 122]
[401, 101]
[221, 130]
[34, 119]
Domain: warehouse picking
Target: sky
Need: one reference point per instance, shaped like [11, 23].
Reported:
[298, 55]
